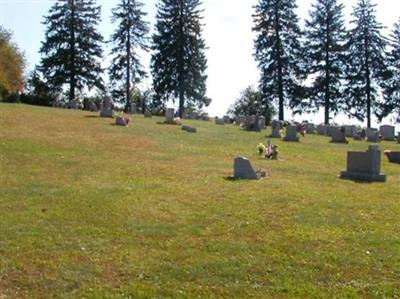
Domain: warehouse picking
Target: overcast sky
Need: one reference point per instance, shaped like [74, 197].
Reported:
[227, 31]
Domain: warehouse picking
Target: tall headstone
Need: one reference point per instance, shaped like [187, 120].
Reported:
[364, 166]
[387, 132]
[169, 115]
[322, 130]
[106, 109]
[243, 170]
[291, 134]
[310, 128]
[262, 122]
[276, 129]
[372, 135]
[338, 135]
[227, 119]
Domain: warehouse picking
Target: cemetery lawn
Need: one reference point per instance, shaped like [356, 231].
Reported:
[92, 210]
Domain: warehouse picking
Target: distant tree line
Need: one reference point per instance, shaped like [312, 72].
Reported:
[326, 66]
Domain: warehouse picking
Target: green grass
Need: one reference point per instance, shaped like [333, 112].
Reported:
[92, 210]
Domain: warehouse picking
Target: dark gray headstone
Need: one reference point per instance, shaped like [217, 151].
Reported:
[120, 121]
[169, 115]
[387, 132]
[310, 129]
[291, 134]
[338, 136]
[243, 169]
[393, 157]
[276, 129]
[219, 121]
[364, 166]
[372, 135]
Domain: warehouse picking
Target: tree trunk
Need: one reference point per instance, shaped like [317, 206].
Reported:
[128, 66]
[72, 83]
[279, 61]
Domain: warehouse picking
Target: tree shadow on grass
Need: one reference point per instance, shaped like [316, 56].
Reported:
[91, 116]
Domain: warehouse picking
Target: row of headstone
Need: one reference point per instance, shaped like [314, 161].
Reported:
[254, 123]
[194, 115]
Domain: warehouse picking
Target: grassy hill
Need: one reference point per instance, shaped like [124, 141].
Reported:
[89, 209]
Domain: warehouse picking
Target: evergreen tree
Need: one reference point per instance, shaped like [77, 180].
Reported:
[325, 51]
[178, 64]
[366, 62]
[278, 50]
[130, 36]
[72, 47]
[392, 85]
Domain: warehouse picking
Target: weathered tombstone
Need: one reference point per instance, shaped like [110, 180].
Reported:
[251, 123]
[387, 132]
[322, 130]
[189, 129]
[350, 131]
[219, 121]
[262, 122]
[338, 136]
[372, 135]
[169, 115]
[291, 134]
[393, 157]
[240, 120]
[364, 166]
[73, 104]
[93, 107]
[227, 119]
[120, 121]
[106, 108]
[194, 115]
[257, 127]
[276, 129]
[243, 170]
[331, 130]
[133, 108]
[310, 128]
[147, 114]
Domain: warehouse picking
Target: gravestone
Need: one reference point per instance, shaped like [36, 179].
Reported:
[331, 130]
[106, 109]
[133, 108]
[93, 107]
[338, 136]
[393, 157]
[169, 116]
[364, 166]
[243, 170]
[147, 114]
[310, 128]
[227, 119]
[189, 129]
[73, 105]
[291, 134]
[276, 129]
[322, 130]
[262, 122]
[194, 115]
[387, 132]
[240, 120]
[350, 131]
[120, 121]
[219, 121]
[398, 138]
[372, 135]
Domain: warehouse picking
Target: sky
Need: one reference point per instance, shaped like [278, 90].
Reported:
[227, 31]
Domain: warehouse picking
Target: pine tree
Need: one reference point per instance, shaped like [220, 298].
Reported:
[366, 62]
[278, 51]
[72, 47]
[130, 36]
[325, 38]
[179, 63]
[392, 85]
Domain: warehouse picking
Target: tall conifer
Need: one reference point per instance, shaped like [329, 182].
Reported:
[278, 50]
[178, 63]
[129, 37]
[392, 85]
[72, 48]
[366, 62]
[325, 38]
